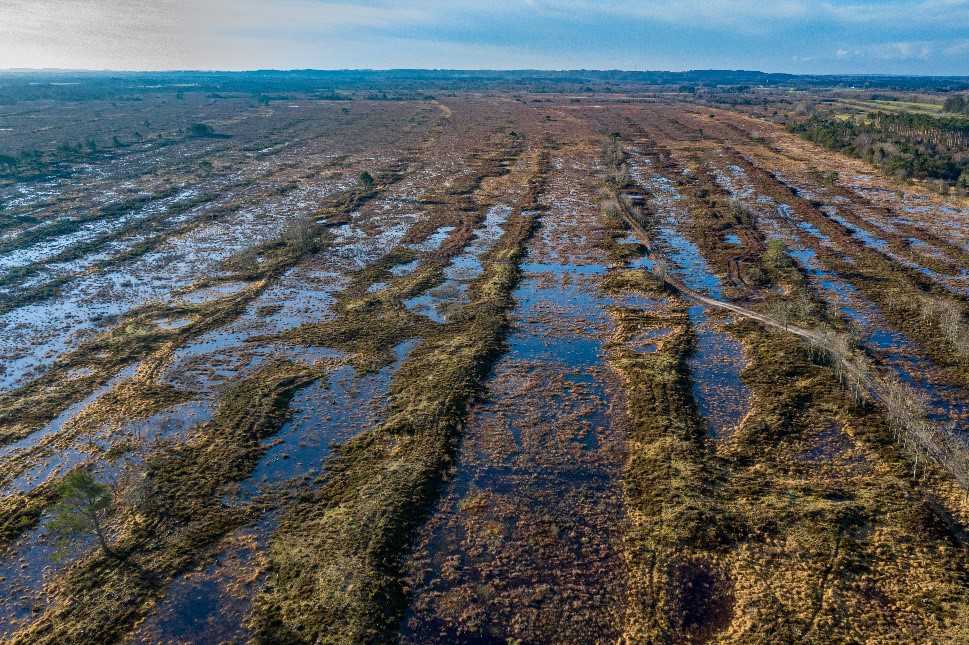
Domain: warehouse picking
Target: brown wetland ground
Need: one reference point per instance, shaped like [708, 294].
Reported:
[480, 367]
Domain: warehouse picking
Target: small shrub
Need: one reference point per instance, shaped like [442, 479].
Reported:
[776, 254]
[201, 130]
[82, 510]
[300, 236]
[366, 180]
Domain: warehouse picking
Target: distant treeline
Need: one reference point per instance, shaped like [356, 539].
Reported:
[72, 85]
[909, 146]
[958, 104]
[33, 164]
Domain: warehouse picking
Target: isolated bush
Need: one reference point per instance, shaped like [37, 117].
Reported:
[743, 214]
[946, 316]
[366, 180]
[300, 236]
[82, 510]
[613, 155]
[610, 208]
[201, 130]
[776, 254]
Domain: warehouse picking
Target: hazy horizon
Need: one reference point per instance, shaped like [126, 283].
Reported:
[214, 70]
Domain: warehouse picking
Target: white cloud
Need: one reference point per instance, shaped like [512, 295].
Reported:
[957, 48]
[759, 13]
[893, 51]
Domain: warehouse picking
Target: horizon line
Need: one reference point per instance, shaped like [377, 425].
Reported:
[91, 70]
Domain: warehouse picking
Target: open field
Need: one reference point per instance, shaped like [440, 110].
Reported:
[486, 364]
[894, 106]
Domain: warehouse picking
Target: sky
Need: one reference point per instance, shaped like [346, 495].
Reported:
[797, 36]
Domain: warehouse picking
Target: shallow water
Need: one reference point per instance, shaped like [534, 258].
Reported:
[209, 604]
[70, 412]
[540, 458]
[715, 365]
[462, 270]
[901, 355]
[214, 292]
[328, 411]
[434, 240]
[716, 362]
[33, 334]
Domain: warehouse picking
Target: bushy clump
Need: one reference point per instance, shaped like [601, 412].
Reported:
[776, 254]
[947, 317]
[614, 159]
[301, 236]
[201, 130]
[366, 180]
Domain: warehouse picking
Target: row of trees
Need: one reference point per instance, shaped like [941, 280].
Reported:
[958, 103]
[908, 146]
[28, 163]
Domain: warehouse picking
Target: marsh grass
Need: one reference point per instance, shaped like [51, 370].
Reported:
[178, 514]
[676, 589]
[135, 337]
[335, 562]
[908, 300]
[785, 531]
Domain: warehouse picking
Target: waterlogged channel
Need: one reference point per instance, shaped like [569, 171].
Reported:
[717, 358]
[524, 543]
[462, 270]
[945, 403]
[210, 604]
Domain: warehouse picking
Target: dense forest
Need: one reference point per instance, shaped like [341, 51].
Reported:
[958, 103]
[908, 146]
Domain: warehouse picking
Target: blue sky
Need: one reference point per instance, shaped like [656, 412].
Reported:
[854, 36]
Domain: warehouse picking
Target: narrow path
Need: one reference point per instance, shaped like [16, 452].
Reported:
[660, 270]
[919, 436]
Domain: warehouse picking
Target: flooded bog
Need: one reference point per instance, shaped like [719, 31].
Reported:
[524, 543]
[461, 271]
[210, 603]
[717, 359]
